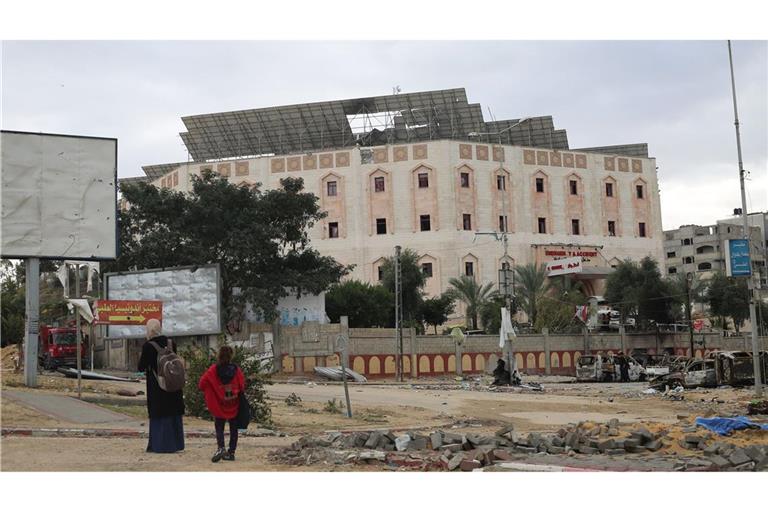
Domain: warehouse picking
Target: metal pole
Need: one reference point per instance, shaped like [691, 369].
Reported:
[750, 281]
[32, 320]
[344, 342]
[79, 334]
[688, 278]
[399, 313]
[91, 342]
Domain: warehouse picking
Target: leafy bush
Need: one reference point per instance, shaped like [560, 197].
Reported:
[293, 400]
[332, 407]
[199, 359]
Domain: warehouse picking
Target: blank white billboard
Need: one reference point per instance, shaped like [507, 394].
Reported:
[191, 299]
[59, 196]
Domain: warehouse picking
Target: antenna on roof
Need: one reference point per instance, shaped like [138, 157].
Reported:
[396, 90]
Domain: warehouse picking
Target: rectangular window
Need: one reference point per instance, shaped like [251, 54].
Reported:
[539, 184]
[378, 184]
[671, 254]
[503, 223]
[542, 225]
[575, 227]
[331, 186]
[381, 226]
[467, 221]
[609, 190]
[672, 270]
[465, 180]
[639, 190]
[426, 269]
[611, 228]
[469, 268]
[641, 229]
[333, 230]
[424, 222]
[574, 188]
[380, 273]
[501, 182]
[423, 180]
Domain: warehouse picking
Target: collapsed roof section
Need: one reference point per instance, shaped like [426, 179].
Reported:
[373, 121]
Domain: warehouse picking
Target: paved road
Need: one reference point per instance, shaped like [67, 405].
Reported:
[69, 409]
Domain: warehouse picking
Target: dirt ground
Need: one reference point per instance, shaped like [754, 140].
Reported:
[421, 405]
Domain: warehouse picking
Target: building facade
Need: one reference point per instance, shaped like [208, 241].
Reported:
[701, 249]
[450, 195]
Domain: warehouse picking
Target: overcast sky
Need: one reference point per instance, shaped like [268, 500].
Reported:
[675, 96]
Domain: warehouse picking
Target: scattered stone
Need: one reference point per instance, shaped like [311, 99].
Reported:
[502, 455]
[628, 443]
[682, 416]
[587, 450]
[505, 430]
[739, 457]
[571, 439]
[556, 450]
[526, 449]
[455, 462]
[613, 432]
[402, 443]
[711, 449]
[469, 465]
[654, 445]
[613, 423]
[436, 440]
[609, 444]
[754, 453]
[635, 449]
[558, 441]
[690, 439]
[689, 430]
[562, 433]
[453, 448]
[372, 455]
[615, 451]
[373, 440]
[420, 443]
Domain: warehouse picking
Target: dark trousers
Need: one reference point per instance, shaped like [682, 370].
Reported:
[219, 424]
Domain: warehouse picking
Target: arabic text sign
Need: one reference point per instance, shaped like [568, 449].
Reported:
[128, 312]
[737, 262]
[564, 266]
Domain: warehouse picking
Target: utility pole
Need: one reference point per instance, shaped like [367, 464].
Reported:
[399, 314]
[79, 333]
[688, 278]
[750, 279]
[32, 320]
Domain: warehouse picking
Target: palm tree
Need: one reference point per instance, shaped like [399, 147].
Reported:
[531, 286]
[474, 296]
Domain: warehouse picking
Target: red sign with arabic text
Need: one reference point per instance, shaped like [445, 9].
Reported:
[128, 312]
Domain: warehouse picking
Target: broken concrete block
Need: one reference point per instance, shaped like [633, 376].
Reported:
[526, 449]
[474, 439]
[502, 454]
[719, 462]
[594, 432]
[571, 439]
[615, 451]
[469, 465]
[506, 429]
[562, 432]
[420, 443]
[455, 462]
[556, 450]
[534, 439]
[712, 449]
[630, 442]
[690, 430]
[373, 440]
[643, 435]
[613, 432]
[739, 457]
[436, 440]
[453, 448]
[402, 443]
[558, 441]
[654, 445]
[635, 449]
[372, 455]
[608, 444]
[587, 450]
[692, 439]
[754, 453]
[613, 423]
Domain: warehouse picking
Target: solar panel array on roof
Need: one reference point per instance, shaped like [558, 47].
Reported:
[411, 117]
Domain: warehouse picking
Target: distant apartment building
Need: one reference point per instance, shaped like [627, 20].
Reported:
[701, 249]
[426, 172]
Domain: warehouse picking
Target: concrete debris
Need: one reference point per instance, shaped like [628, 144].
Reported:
[450, 450]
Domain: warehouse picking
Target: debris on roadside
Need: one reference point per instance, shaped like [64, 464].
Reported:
[757, 407]
[449, 451]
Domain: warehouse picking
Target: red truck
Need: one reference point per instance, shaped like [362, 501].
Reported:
[57, 347]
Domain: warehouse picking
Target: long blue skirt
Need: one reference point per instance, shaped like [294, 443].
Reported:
[166, 434]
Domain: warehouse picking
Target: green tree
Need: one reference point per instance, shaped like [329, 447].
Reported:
[638, 289]
[728, 297]
[366, 305]
[435, 311]
[12, 302]
[531, 285]
[472, 294]
[412, 285]
[490, 313]
[678, 291]
[259, 239]
[556, 311]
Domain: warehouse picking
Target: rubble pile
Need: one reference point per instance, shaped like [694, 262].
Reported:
[441, 451]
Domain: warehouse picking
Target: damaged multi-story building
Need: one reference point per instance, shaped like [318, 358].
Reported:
[426, 171]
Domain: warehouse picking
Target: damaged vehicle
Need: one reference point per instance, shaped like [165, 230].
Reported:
[595, 368]
[736, 368]
[697, 373]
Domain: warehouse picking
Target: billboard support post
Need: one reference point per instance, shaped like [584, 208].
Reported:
[32, 323]
[79, 335]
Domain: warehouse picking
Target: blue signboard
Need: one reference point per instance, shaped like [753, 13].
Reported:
[737, 260]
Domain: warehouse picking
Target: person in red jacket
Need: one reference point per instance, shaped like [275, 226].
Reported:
[222, 384]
